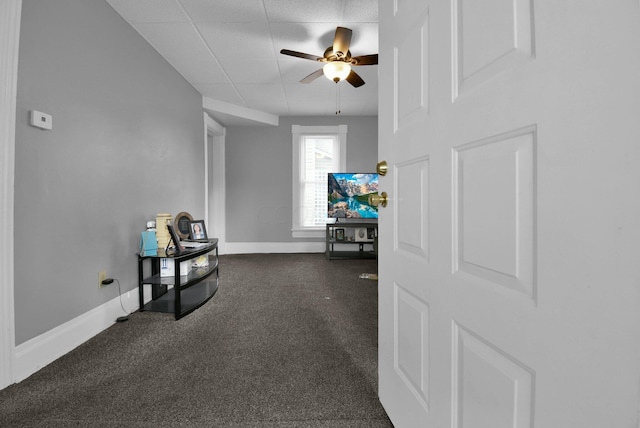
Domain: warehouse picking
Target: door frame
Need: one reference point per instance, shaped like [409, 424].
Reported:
[10, 13]
[214, 172]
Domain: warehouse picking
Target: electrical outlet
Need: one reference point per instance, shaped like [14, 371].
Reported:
[102, 275]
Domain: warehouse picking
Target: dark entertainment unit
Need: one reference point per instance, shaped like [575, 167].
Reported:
[182, 292]
[351, 240]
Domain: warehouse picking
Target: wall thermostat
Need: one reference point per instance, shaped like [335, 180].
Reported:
[41, 120]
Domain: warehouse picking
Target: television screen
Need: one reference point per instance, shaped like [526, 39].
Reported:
[349, 195]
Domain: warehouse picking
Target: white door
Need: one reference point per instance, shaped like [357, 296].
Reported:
[509, 277]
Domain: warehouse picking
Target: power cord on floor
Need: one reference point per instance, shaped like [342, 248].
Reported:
[125, 317]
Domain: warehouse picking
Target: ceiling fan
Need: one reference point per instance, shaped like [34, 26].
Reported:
[337, 59]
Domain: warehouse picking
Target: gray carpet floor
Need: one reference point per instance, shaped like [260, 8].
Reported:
[289, 340]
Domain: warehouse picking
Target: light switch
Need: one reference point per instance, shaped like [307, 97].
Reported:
[41, 120]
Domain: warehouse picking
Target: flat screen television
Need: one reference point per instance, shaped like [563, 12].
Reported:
[349, 195]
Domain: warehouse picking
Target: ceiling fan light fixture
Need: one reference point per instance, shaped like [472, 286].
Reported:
[337, 63]
[336, 70]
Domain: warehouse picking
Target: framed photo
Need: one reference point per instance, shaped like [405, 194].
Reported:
[371, 233]
[339, 234]
[197, 231]
[181, 224]
[175, 239]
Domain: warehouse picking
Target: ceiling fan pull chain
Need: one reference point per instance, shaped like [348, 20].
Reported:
[337, 98]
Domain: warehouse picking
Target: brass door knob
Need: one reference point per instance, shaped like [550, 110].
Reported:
[382, 168]
[380, 199]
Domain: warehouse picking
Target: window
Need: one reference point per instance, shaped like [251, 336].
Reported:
[317, 150]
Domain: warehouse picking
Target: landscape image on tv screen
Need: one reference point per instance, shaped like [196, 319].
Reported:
[349, 195]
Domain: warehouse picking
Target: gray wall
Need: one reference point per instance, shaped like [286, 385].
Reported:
[123, 119]
[259, 173]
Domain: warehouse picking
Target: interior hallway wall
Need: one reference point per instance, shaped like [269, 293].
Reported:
[126, 144]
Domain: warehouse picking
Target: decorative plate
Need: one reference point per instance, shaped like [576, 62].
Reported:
[181, 224]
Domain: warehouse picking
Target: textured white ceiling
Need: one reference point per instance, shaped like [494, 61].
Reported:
[229, 50]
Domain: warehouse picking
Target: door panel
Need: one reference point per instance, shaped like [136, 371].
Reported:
[494, 198]
[412, 207]
[509, 282]
[411, 60]
[489, 37]
[412, 343]
[484, 378]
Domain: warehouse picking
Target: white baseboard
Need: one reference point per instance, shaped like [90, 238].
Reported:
[274, 247]
[36, 353]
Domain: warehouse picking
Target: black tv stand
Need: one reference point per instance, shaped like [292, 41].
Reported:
[351, 240]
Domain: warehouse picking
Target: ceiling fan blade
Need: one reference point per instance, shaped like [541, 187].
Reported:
[355, 80]
[365, 60]
[313, 76]
[341, 41]
[300, 55]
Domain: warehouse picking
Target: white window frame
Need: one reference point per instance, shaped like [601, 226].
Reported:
[298, 133]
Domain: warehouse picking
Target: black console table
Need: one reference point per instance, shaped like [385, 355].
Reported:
[183, 292]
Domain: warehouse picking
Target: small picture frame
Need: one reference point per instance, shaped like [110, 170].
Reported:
[181, 224]
[197, 231]
[175, 239]
[371, 233]
[339, 234]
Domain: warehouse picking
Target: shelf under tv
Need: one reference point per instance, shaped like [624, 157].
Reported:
[351, 240]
